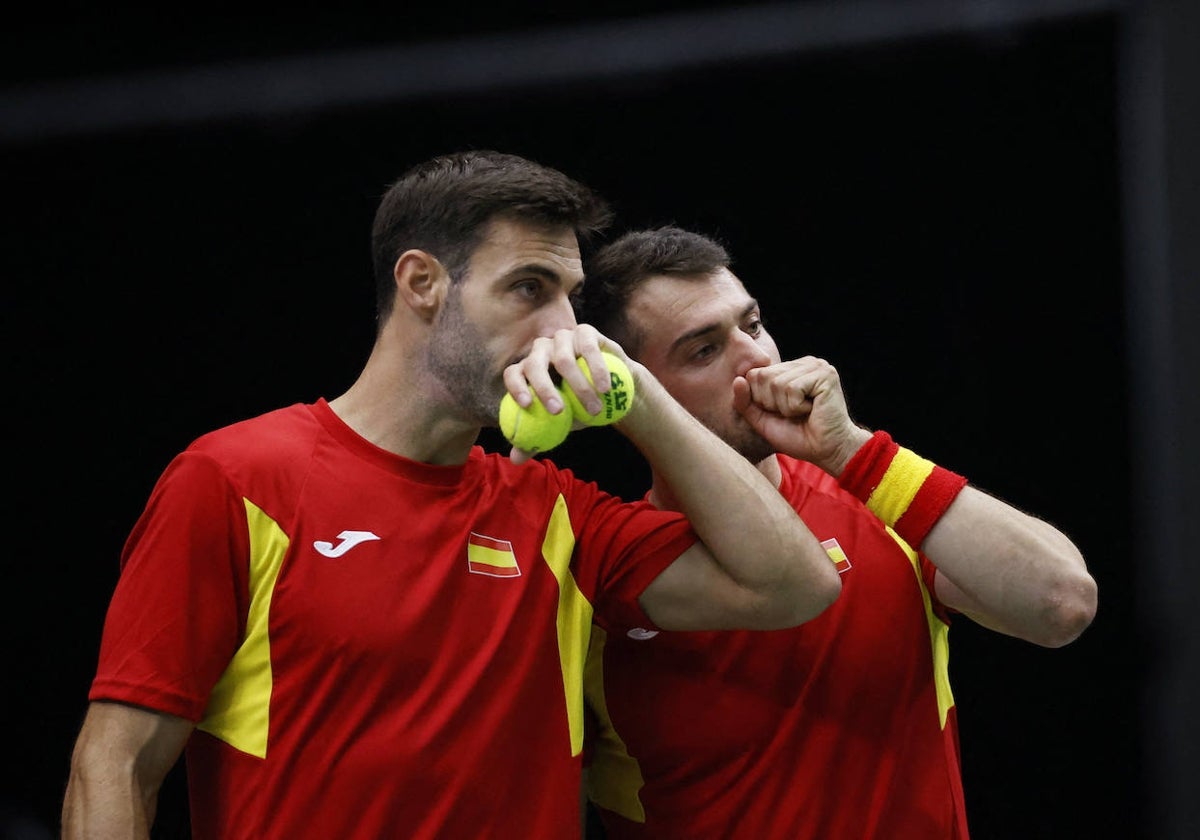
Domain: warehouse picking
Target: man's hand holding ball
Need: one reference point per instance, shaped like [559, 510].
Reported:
[535, 429]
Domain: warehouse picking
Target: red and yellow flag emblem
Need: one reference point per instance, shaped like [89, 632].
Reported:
[834, 549]
[490, 556]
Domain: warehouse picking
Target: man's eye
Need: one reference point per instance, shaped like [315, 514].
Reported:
[704, 351]
[528, 288]
[754, 327]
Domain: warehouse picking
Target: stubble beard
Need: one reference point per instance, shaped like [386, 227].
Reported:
[740, 436]
[752, 446]
[458, 359]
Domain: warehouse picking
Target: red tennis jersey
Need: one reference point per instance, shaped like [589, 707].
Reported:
[841, 729]
[373, 647]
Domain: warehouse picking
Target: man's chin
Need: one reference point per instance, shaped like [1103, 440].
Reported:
[755, 450]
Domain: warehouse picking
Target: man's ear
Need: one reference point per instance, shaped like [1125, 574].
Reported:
[421, 282]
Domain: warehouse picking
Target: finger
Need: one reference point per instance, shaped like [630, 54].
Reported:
[537, 369]
[781, 390]
[515, 384]
[598, 364]
[795, 391]
[791, 388]
[569, 347]
[531, 375]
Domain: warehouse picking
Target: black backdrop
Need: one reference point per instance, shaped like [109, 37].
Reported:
[940, 220]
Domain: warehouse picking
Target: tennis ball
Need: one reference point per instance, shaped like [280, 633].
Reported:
[616, 401]
[533, 429]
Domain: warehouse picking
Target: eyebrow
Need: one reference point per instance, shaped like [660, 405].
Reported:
[708, 328]
[533, 268]
[555, 277]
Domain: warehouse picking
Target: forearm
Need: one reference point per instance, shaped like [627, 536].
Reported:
[1012, 572]
[104, 800]
[1008, 570]
[751, 531]
[121, 757]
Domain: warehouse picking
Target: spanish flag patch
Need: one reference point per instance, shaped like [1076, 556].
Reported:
[834, 549]
[490, 556]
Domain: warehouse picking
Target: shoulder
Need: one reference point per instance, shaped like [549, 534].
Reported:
[539, 484]
[536, 472]
[271, 450]
[265, 436]
[812, 492]
[802, 477]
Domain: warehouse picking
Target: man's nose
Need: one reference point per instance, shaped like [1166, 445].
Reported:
[749, 353]
[557, 315]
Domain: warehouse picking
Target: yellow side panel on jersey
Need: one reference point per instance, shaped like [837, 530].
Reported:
[614, 777]
[939, 636]
[239, 710]
[573, 620]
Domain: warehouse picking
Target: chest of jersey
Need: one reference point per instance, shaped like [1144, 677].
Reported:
[675, 696]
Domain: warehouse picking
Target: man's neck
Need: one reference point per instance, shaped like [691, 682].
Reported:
[392, 407]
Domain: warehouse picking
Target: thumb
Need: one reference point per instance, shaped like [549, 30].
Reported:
[741, 394]
[744, 404]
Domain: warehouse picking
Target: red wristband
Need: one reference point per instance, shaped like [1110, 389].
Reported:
[903, 489]
[866, 467]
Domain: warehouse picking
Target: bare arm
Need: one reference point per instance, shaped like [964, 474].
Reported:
[121, 757]
[757, 566]
[1007, 570]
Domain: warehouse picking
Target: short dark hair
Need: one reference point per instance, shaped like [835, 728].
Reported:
[444, 204]
[619, 268]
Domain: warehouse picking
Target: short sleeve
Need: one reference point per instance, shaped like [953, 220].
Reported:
[622, 547]
[178, 610]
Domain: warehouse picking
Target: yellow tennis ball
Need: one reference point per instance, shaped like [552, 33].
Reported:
[533, 429]
[616, 401]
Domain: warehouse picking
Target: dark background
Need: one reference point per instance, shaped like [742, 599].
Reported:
[964, 206]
